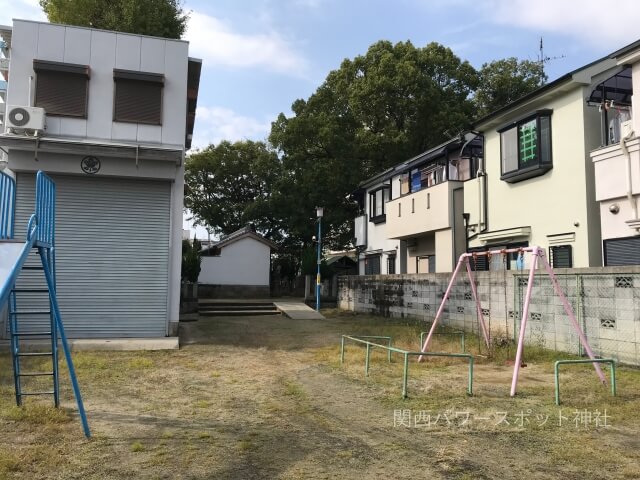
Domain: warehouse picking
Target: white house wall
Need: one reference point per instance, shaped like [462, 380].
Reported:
[243, 262]
[555, 203]
[377, 239]
[103, 51]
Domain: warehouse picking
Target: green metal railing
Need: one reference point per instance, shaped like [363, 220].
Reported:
[610, 361]
[457, 332]
[390, 349]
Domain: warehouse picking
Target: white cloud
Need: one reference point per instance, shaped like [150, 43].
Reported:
[214, 124]
[20, 9]
[583, 20]
[218, 44]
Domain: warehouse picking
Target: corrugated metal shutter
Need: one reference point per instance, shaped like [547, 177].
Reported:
[138, 101]
[61, 93]
[112, 255]
[622, 251]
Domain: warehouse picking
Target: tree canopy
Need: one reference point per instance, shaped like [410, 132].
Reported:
[231, 184]
[159, 18]
[504, 81]
[375, 111]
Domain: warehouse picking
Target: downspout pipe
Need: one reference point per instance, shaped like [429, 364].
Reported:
[482, 180]
[627, 156]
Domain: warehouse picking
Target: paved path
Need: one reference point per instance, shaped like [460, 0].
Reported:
[297, 310]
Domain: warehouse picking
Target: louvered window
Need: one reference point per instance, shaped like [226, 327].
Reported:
[62, 88]
[138, 97]
[561, 256]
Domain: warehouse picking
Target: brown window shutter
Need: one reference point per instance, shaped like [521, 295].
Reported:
[62, 93]
[138, 97]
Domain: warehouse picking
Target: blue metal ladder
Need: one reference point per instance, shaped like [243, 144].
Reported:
[41, 237]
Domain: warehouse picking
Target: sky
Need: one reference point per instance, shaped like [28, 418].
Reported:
[259, 56]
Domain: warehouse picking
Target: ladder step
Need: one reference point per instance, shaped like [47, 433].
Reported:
[32, 267]
[31, 290]
[22, 394]
[35, 354]
[36, 374]
[34, 334]
[31, 312]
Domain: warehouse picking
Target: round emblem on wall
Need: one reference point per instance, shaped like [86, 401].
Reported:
[90, 165]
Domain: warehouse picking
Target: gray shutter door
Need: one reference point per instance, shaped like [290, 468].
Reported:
[112, 256]
[622, 251]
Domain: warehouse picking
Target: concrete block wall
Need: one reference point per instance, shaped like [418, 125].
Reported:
[606, 302]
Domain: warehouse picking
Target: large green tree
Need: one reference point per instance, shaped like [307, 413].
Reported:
[159, 18]
[231, 184]
[374, 111]
[504, 81]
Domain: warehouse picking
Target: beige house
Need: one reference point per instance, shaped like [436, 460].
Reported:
[617, 161]
[536, 186]
[412, 214]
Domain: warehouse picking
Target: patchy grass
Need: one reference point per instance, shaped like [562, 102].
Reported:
[137, 447]
[268, 398]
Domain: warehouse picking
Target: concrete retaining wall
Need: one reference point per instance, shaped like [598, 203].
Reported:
[606, 302]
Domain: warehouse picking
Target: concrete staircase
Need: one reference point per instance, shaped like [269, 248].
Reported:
[210, 308]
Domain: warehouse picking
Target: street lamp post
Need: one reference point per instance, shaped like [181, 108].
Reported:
[319, 212]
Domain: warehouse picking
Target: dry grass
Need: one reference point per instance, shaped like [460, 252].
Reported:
[268, 398]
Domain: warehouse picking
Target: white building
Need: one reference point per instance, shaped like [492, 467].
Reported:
[617, 161]
[108, 116]
[239, 265]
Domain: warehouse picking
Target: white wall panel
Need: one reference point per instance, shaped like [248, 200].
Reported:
[127, 51]
[174, 110]
[77, 45]
[50, 42]
[73, 127]
[124, 131]
[149, 133]
[152, 53]
[102, 62]
[24, 48]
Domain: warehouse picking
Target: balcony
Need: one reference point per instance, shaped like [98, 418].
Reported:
[424, 211]
[610, 166]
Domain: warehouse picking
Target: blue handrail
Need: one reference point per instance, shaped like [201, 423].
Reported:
[7, 205]
[45, 210]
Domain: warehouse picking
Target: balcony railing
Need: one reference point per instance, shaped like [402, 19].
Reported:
[424, 211]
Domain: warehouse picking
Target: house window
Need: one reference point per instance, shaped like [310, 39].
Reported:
[404, 183]
[377, 201]
[391, 264]
[62, 88]
[561, 256]
[525, 147]
[622, 251]
[372, 265]
[138, 97]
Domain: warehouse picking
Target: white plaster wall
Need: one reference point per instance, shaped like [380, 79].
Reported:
[103, 51]
[552, 203]
[377, 239]
[245, 262]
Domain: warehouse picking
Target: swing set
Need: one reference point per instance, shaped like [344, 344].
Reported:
[537, 256]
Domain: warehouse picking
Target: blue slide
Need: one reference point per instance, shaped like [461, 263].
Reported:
[13, 257]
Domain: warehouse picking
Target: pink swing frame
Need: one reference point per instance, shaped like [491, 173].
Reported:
[537, 255]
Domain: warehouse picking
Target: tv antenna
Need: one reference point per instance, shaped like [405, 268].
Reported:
[542, 59]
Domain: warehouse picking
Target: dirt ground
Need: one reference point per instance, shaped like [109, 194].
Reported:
[266, 397]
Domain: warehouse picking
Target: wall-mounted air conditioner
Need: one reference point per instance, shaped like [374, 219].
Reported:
[25, 120]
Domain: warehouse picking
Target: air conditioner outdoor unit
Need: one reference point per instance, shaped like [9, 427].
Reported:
[27, 120]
